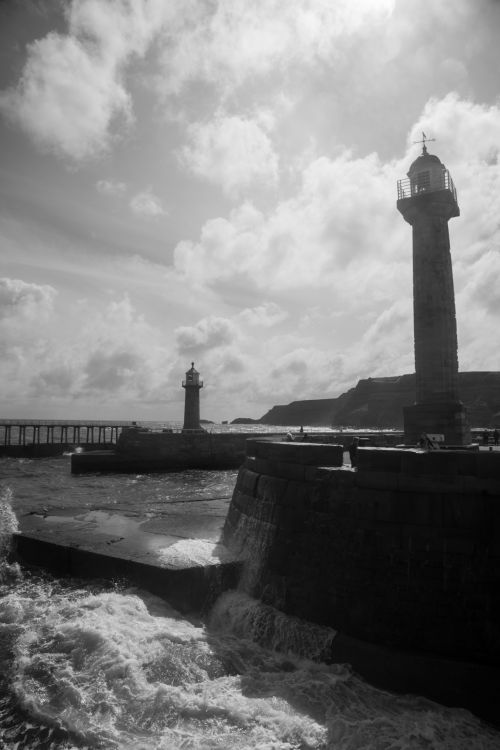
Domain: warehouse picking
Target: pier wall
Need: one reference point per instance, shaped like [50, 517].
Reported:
[142, 451]
[190, 588]
[48, 450]
[403, 551]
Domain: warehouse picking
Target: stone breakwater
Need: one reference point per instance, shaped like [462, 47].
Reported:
[403, 551]
[142, 451]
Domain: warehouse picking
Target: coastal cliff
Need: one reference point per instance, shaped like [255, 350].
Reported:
[379, 403]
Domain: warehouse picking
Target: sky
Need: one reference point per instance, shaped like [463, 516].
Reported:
[215, 181]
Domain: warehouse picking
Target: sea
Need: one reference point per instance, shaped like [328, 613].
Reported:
[99, 664]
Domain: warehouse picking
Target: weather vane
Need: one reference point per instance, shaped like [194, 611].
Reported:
[423, 141]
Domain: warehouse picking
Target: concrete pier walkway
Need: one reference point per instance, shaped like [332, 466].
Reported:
[178, 559]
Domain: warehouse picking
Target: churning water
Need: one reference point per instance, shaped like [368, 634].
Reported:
[92, 665]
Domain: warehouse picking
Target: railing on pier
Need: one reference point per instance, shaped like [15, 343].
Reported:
[40, 433]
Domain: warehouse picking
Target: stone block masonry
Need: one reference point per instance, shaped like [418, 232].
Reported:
[428, 201]
[192, 588]
[143, 451]
[403, 551]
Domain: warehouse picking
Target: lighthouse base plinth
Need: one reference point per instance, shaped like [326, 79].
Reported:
[446, 419]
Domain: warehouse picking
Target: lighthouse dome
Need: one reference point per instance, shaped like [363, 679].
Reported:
[425, 162]
[427, 173]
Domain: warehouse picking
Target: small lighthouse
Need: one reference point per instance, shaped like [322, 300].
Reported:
[428, 200]
[192, 385]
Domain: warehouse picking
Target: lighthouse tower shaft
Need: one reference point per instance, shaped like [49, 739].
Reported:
[192, 385]
[428, 201]
[434, 319]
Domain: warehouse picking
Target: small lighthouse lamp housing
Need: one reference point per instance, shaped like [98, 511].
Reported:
[192, 378]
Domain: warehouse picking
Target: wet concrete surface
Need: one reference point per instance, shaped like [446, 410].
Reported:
[179, 559]
[174, 541]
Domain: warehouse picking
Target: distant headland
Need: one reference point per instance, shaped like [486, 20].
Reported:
[379, 403]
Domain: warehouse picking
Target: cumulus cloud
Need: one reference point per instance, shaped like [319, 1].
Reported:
[147, 204]
[67, 98]
[386, 346]
[457, 122]
[26, 314]
[266, 315]
[118, 356]
[482, 288]
[208, 333]
[232, 152]
[280, 377]
[58, 382]
[232, 40]
[478, 303]
[110, 187]
[336, 231]
[109, 371]
[71, 92]
[20, 300]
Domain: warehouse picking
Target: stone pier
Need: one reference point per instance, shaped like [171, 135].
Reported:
[400, 555]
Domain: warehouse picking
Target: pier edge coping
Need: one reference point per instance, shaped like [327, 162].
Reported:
[446, 465]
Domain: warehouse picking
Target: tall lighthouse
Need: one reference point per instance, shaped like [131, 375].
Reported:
[427, 199]
[192, 385]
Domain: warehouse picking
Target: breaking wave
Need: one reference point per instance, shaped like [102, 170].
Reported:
[93, 666]
[99, 668]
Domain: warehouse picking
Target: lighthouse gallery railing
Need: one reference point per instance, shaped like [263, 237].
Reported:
[407, 188]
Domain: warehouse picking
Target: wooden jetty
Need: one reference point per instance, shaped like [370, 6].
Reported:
[38, 438]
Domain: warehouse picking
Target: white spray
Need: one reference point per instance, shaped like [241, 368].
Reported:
[8, 526]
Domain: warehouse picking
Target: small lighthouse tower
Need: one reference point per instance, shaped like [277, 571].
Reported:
[192, 385]
[428, 200]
